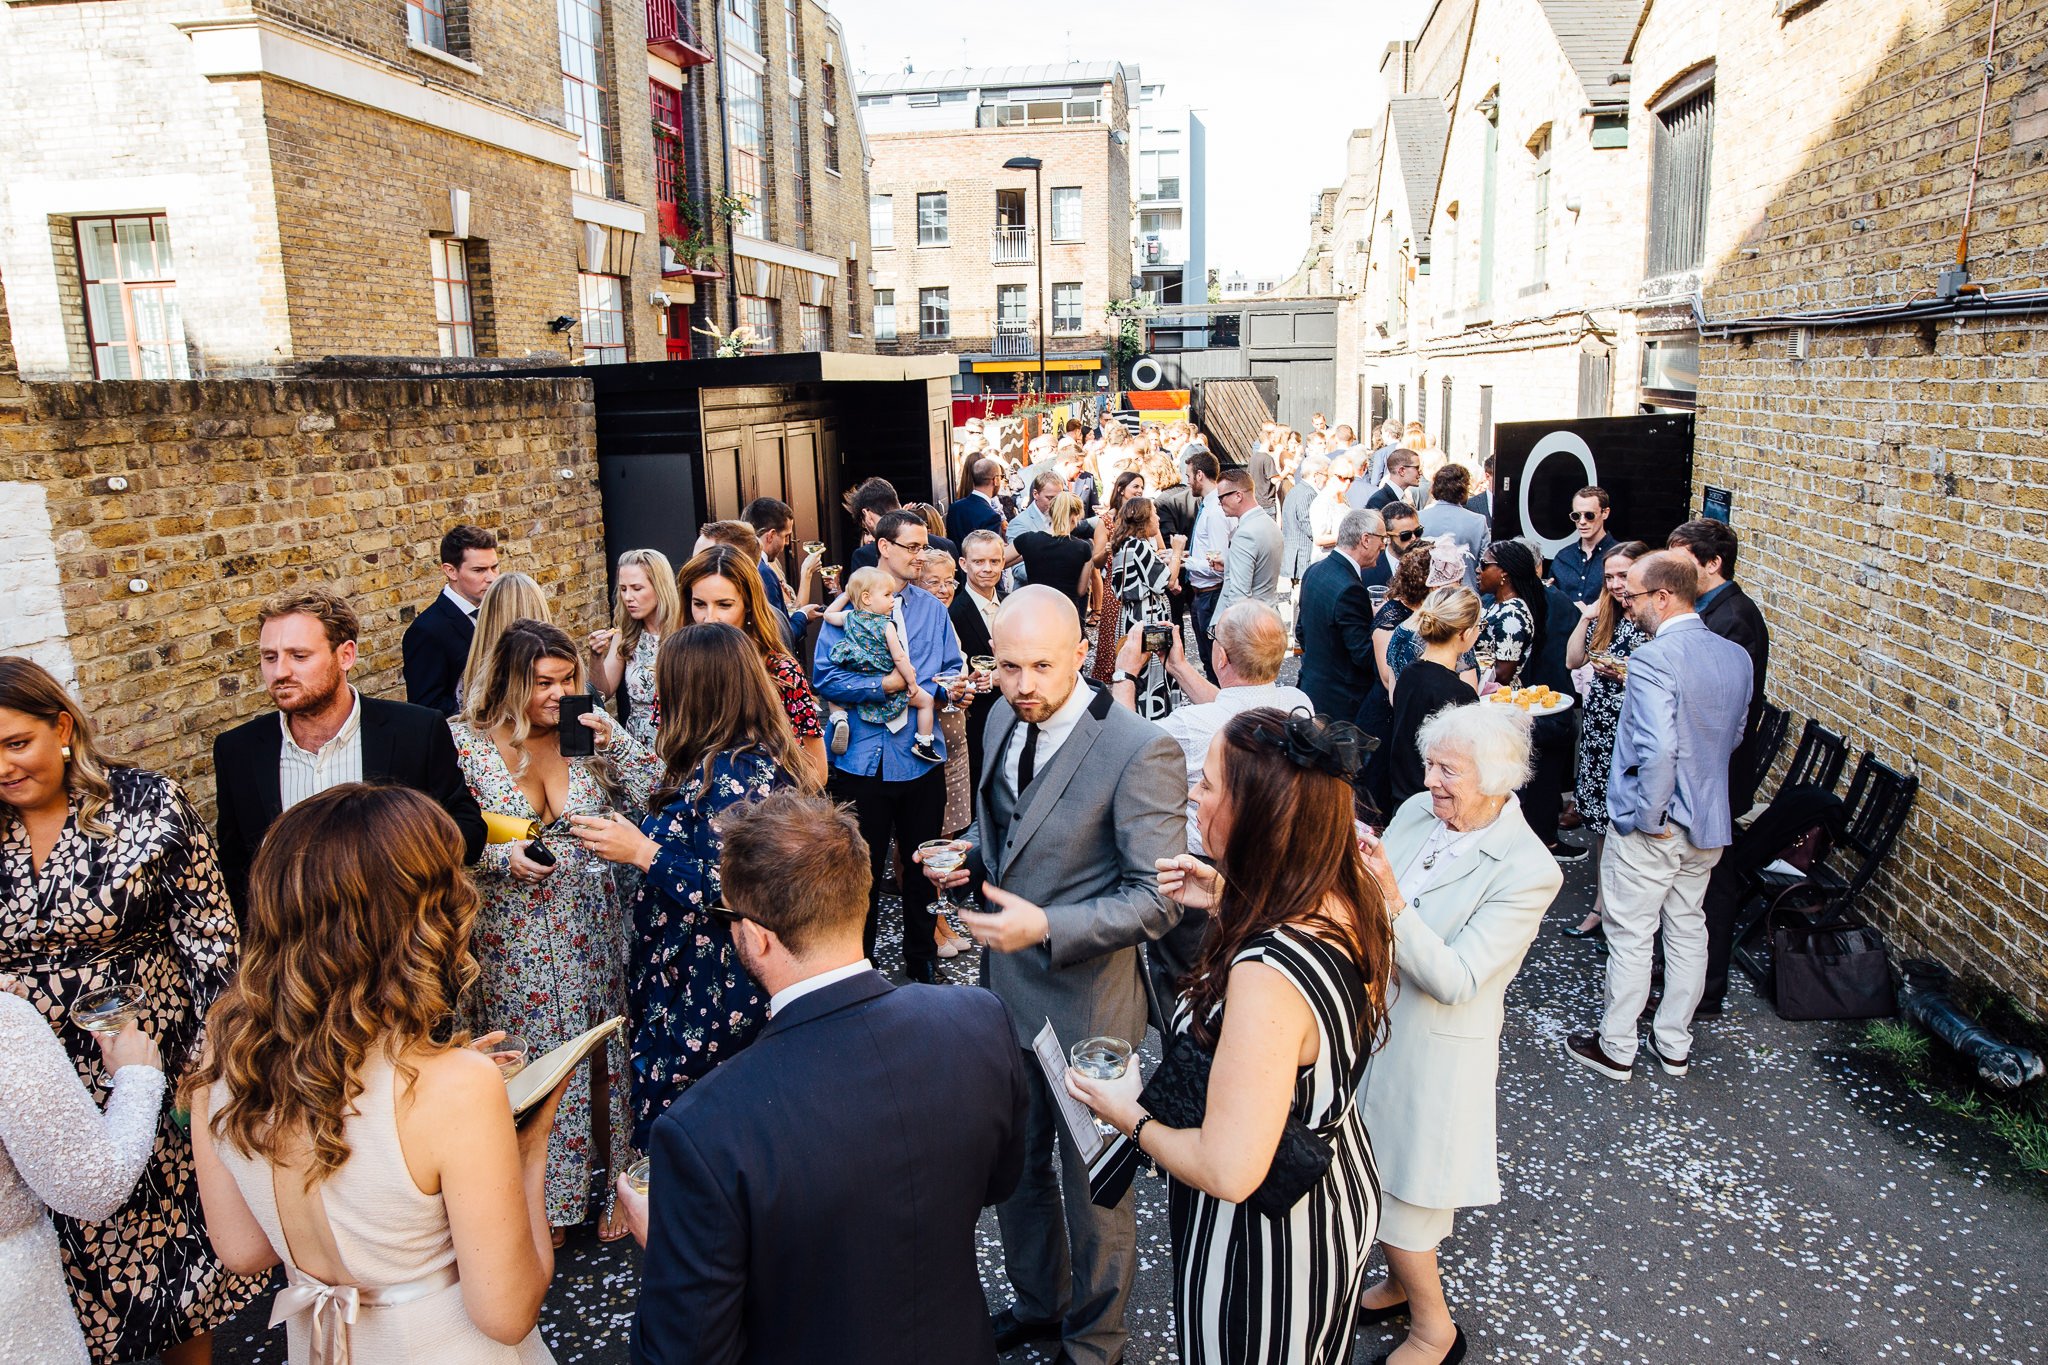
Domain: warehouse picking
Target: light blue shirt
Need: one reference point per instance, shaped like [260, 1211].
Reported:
[874, 750]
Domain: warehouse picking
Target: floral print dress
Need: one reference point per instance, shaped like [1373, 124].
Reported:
[638, 685]
[1600, 713]
[553, 952]
[145, 906]
[693, 1005]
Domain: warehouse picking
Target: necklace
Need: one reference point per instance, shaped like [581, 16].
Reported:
[1440, 842]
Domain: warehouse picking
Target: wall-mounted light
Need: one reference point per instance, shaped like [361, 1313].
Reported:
[138, 585]
[565, 473]
[1572, 204]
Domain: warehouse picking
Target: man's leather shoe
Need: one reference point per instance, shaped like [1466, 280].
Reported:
[1673, 1066]
[925, 971]
[1709, 1009]
[1585, 1049]
[1012, 1331]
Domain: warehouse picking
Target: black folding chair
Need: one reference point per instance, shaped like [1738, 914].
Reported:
[1769, 741]
[1880, 797]
[1819, 759]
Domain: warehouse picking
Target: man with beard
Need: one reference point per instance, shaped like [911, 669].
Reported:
[1079, 801]
[325, 733]
[808, 1202]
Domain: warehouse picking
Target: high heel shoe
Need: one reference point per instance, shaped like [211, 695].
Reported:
[1451, 1357]
[1598, 929]
[1370, 1317]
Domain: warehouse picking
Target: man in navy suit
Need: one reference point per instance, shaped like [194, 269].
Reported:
[979, 510]
[436, 645]
[774, 522]
[1334, 620]
[1667, 802]
[809, 1200]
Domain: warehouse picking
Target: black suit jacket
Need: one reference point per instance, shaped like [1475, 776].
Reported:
[973, 633]
[436, 650]
[810, 1202]
[970, 514]
[1381, 496]
[1334, 622]
[1734, 616]
[406, 745]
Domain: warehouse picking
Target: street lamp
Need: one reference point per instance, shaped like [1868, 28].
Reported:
[1035, 166]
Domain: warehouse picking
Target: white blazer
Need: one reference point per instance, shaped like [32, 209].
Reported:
[1428, 1094]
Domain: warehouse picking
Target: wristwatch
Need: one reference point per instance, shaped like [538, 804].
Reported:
[1119, 676]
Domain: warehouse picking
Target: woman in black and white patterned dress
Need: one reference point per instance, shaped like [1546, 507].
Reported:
[107, 877]
[1142, 572]
[1300, 950]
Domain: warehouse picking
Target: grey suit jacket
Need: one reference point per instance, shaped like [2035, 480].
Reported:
[1085, 845]
[1251, 569]
[1685, 709]
[1448, 518]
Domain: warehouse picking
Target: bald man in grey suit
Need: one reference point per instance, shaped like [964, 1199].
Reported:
[1079, 801]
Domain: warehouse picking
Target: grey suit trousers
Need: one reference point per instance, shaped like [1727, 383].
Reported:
[1067, 1258]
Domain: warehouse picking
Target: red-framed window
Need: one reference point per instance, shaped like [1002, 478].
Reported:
[453, 318]
[666, 104]
[131, 298]
[426, 22]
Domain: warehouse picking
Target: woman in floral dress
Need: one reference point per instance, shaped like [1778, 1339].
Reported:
[724, 739]
[1606, 630]
[649, 607]
[550, 938]
[108, 877]
[1142, 572]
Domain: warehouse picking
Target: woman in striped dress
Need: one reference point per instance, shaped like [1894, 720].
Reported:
[1299, 949]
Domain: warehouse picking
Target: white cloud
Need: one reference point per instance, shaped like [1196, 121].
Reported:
[1278, 85]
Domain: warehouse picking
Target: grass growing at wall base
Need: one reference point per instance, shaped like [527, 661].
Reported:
[1949, 1084]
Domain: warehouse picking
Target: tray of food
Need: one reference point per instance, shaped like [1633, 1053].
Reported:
[1537, 701]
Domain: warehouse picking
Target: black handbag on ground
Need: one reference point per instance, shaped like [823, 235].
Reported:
[1178, 1096]
[1833, 971]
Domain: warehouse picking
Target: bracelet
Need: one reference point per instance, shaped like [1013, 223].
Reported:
[1138, 1128]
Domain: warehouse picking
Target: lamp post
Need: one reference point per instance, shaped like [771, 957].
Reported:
[1035, 166]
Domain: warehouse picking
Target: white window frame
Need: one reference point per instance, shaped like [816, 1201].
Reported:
[1064, 324]
[944, 299]
[942, 232]
[882, 228]
[1072, 226]
[885, 315]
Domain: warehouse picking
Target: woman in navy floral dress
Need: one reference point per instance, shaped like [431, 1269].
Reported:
[724, 739]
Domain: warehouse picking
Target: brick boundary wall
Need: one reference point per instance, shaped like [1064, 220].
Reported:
[239, 488]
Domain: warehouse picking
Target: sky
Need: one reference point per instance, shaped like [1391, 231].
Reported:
[1277, 97]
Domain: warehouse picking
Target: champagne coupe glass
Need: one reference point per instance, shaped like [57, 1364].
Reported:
[944, 856]
[813, 547]
[638, 1175]
[1101, 1059]
[984, 666]
[949, 681]
[109, 1010]
[509, 1053]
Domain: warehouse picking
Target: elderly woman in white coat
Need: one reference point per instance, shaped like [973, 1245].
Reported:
[1466, 882]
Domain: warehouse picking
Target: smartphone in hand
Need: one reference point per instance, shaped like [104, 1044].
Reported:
[577, 739]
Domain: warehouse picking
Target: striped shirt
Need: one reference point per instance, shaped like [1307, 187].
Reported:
[301, 774]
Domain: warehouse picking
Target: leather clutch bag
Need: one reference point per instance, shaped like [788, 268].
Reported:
[1178, 1096]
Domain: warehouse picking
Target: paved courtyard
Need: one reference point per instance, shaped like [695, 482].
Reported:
[1779, 1204]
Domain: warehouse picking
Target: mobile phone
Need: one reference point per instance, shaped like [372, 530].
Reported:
[577, 739]
[1157, 634]
[539, 852]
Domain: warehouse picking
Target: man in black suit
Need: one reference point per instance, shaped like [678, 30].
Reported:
[1404, 472]
[808, 1203]
[1730, 613]
[1334, 620]
[325, 733]
[979, 510]
[436, 644]
[974, 614]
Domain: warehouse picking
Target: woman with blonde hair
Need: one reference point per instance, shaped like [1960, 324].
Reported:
[108, 878]
[1056, 558]
[649, 609]
[723, 586]
[550, 943]
[520, 599]
[340, 1130]
[725, 738]
[1447, 623]
[1602, 640]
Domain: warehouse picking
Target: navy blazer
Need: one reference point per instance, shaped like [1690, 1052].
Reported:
[1334, 624]
[970, 514]
[815, 1197]
[406, 745]
[436, 650]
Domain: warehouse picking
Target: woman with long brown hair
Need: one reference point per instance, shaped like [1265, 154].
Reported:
[108, 878]
[550, 940]
[1098, 531]
[724, 739]
[1602, 641]
[1289, 997]
[722, 586]
[338, 1126]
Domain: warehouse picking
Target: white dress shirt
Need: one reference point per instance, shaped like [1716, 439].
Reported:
[1193, 727]
[462, 604]
[1052, 733]
[783, 998]
[1212, 533]
[301, 774]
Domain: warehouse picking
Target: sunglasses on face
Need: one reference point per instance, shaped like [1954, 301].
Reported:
[1585, 516]
[728, 914]
[1402, 537]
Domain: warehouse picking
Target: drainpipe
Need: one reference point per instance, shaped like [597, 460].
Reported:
[732, 278]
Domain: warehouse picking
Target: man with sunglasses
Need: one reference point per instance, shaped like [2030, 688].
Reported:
[1579, 566]
[1404, 533]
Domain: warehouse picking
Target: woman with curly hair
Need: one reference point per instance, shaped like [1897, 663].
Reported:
[339, 1131]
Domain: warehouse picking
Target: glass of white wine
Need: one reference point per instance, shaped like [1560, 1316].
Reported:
[1101, 1059]
[945, 856]
[509, 1053]
[638, 1175]
[109, 1010]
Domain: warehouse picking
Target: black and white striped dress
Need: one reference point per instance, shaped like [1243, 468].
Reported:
[1252, 1290]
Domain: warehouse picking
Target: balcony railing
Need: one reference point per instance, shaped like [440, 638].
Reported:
[1015, 338]
[1010, 245]
[672, 34]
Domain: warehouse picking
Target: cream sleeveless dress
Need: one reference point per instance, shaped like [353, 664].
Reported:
[395, 1243]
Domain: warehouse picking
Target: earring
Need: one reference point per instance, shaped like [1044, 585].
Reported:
[66, 751]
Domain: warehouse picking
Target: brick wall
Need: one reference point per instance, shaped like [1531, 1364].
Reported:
[239, 488]
[1891, 490]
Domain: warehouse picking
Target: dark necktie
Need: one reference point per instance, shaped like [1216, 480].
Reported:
[1027, 762]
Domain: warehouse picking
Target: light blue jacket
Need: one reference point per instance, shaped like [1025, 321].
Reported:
[1683, 713]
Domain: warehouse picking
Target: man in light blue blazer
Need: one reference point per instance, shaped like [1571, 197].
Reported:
[1682, 715]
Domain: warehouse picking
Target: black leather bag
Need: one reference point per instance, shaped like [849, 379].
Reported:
[1178, 1096]
[1836, 971]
